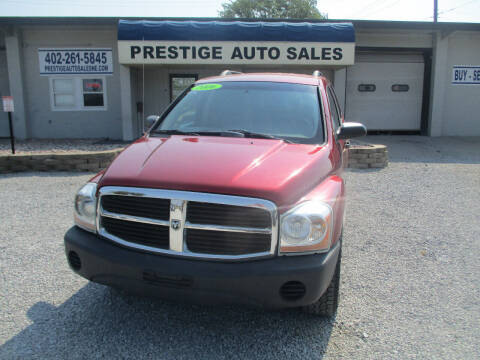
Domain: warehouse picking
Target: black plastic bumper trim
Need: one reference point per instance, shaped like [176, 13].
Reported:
[248, 282]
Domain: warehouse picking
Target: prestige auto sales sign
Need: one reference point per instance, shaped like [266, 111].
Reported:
[226, 52]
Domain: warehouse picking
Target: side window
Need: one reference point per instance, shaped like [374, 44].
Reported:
[336, 117]
[77, 93]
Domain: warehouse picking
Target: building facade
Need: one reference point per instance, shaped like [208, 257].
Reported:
[100, 77]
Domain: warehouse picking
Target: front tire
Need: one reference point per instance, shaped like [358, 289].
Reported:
[328, 303]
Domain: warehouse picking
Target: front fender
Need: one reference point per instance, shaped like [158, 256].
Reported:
[331, 191]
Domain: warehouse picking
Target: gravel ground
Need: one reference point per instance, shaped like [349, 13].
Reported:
[410, 276]
[38, 146]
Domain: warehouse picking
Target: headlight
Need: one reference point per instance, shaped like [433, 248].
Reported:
[306, 228]
[86, 207]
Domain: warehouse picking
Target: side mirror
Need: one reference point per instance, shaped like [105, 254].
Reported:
[149, 121]
[350, 130]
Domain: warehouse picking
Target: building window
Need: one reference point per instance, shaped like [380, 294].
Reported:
[63, 93]
[367, 87]
[400, 87]
[92, 92]
[77, 94]
[179, 82]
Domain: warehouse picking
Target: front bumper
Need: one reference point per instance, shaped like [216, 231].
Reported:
[253, 282]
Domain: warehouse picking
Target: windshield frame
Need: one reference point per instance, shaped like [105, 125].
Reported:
[320, 137]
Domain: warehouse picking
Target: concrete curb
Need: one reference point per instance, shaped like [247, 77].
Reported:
[78, 161]
[367, 156]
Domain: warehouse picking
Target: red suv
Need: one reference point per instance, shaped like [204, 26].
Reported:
[234, 195]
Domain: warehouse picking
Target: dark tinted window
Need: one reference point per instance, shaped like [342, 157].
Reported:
[93, 92]
[336, 117]
[284, 110]
[367, 87]
[400, 87]
[93, 99]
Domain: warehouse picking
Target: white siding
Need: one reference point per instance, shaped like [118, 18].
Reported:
[45, 123]
[394, 38]
[461, 111]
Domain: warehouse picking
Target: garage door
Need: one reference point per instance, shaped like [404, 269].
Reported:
[385, 92]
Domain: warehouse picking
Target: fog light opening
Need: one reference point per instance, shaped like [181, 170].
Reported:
[74, 260]
[292, 290]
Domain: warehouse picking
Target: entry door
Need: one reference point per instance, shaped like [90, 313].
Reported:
[179, 82]
[386, 95]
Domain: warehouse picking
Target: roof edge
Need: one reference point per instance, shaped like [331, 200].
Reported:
[359, 24]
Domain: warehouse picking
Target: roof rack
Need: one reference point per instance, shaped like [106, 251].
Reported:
[317, 73]
[230, 72]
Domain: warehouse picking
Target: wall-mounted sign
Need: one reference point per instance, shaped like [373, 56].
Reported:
[7, 103]
[75, 61]
[466, 75]
[235, 42]
[227, 52]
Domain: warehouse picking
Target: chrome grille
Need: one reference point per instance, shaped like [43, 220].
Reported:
[137, 206]
[137, 232]
[226, 243]
[228, 215]
[185, 223]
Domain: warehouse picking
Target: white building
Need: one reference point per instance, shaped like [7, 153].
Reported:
[98, 77]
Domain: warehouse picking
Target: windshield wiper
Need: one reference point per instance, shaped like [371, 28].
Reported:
[199, 133]
[251, 134]
[234, 133]
[174, 132]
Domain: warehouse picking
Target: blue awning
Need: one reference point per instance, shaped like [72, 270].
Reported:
[235, 31]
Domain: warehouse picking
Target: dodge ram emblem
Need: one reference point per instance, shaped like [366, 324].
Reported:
[175, 224]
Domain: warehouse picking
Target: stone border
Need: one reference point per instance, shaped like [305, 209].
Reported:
[78, 161]
[367, 156]
[359, 157]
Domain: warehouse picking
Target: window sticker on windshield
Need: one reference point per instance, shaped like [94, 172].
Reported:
[206, 87]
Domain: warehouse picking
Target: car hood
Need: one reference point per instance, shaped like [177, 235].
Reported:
[263, 168]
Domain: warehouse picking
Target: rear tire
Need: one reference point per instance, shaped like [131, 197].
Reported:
[328, 303]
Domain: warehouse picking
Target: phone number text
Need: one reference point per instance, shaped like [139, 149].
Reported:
[75, 57]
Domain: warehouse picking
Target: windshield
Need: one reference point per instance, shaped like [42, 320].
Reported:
[283, 110]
